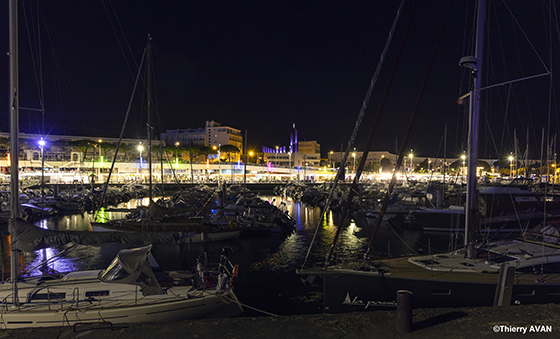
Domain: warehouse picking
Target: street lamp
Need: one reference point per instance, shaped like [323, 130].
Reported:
[176, 156]
[42, 146]
[354, 155]
[140, 149]
[463, 168]
[510, 166]
[330, 159]
[411, 165]
[290, 165]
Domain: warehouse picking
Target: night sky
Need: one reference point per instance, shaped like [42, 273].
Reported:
[262, 66]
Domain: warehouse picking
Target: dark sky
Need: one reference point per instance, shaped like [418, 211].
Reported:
[262, 66]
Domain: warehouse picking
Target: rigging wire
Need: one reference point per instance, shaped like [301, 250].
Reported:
[117, 28]
[355, 132]
[106, 184]
[353, 190]
[34, 41]
[409, 129]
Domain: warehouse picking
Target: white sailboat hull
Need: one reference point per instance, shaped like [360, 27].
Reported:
[181, 309]
[128, 291]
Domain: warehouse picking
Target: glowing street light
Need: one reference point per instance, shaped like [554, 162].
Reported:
[463, 157]
[290, 165]
[42, 144]
[411, 165]
[140, 149]
[219, 164]
[510, 166]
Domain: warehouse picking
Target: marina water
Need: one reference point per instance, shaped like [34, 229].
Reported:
[267, 283]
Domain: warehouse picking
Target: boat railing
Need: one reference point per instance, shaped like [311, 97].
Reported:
[75, 297]
[5, 302]
[551, 238]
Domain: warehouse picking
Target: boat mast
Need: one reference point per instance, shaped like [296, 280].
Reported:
[475, 65]
[14, 147]
[149, 49]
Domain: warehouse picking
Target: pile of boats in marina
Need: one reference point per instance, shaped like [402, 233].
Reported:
[506, 206]
[134, 288]
[202, 212]
[205, 214]
[43, 202]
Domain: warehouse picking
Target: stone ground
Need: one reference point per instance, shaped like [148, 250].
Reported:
[479, 322]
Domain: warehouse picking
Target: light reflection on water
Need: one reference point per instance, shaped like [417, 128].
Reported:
[267, 278]
[275, 253]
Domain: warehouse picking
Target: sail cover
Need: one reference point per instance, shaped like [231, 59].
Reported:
[131, 266]
[31, 238]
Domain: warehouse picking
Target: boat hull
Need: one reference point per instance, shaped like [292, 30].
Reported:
[215, 306]
[446, 220]
[346, 290]
[197, 237]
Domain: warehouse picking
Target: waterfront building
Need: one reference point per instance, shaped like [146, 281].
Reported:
[68, 148]
[309, 147]
[213, 135]
[374, 159]
[298, 155]
[223, 135]
[185, 136]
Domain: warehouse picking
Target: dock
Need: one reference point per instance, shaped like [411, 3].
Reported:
[538, 321]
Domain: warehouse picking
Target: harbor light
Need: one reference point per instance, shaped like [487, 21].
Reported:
[510, 166]
[140, 149]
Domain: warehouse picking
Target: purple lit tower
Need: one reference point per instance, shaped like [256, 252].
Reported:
[293, 140]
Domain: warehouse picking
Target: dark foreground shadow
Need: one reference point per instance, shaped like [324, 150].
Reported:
[440, 319]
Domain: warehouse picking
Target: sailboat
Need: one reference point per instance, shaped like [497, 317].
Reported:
[133, 288]
[159, 219]
[480, 274]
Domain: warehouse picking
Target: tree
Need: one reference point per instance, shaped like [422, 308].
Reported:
[206, 150]
[125, 149]
[105, 147]
[169, 152]
[385, 165]
[5, 142]
[192, 151]
[229, 150]
[83, 145]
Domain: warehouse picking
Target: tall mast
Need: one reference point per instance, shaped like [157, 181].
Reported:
[14, 146]
[472, 142]
[149, 48]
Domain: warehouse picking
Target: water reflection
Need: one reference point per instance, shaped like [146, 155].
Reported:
[277, 253]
